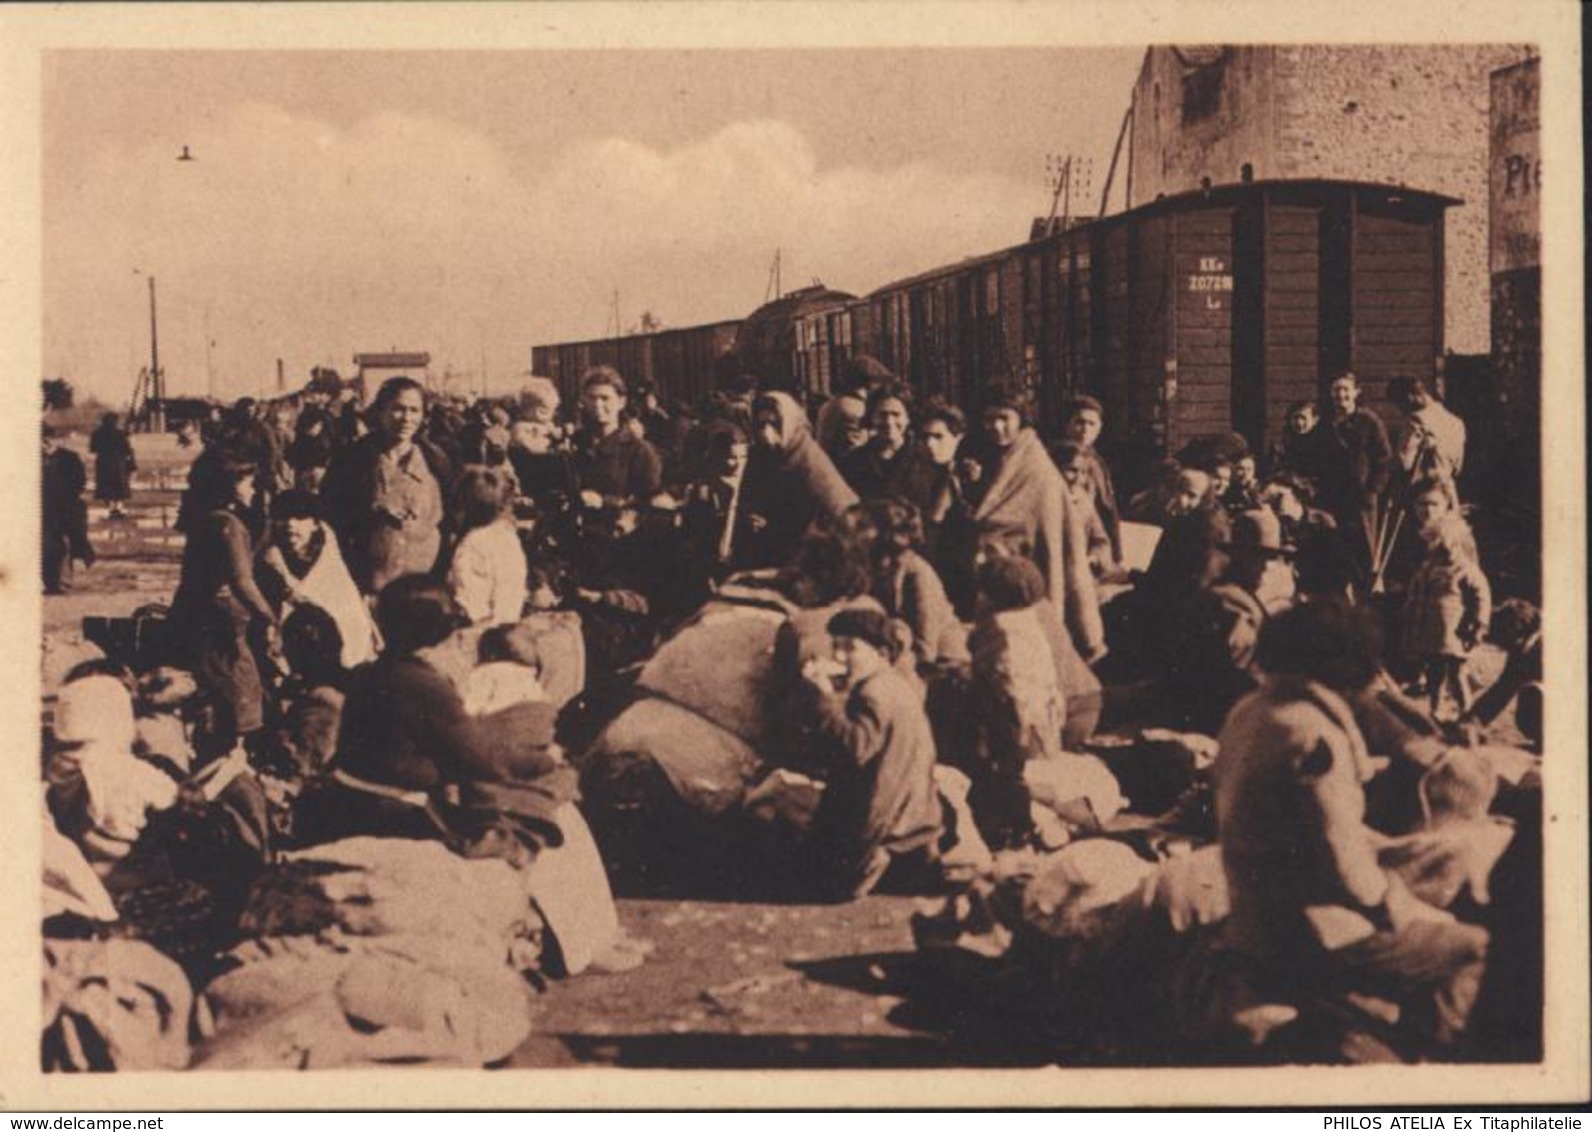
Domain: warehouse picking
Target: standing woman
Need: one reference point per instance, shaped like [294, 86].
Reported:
[219, 613]
[1026, 507]
[385, 493]
[890, 465]
[113, 465]
[790, 481]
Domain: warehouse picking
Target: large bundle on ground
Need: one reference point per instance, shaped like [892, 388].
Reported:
[113, 1004]
[664, 782]
[375, 950]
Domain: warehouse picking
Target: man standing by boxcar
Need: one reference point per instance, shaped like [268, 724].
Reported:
[1358, 472]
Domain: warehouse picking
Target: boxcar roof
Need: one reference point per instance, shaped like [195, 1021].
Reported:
[946, 269]
[1216, 194]
[650, 334]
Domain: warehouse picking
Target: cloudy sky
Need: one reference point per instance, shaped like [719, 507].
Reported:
[474, 204]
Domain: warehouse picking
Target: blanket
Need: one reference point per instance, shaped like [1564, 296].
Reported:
[1027, 505]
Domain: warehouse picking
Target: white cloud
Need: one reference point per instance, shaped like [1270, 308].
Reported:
[300, 240]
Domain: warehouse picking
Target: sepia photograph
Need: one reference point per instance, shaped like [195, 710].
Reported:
[749, 551]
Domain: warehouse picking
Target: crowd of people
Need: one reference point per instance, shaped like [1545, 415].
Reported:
[393, 619]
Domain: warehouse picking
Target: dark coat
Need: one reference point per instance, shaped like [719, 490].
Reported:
[313, 441]
[113, 464]
[1362, 462]
[908, 475]
[1311, 456]
[621, 467]
[215, 609]
[63, 481]
[1105, 500]
[404, 726]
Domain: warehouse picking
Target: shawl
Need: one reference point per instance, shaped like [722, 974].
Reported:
[1027, 503]
[327, 583]
[794, 484]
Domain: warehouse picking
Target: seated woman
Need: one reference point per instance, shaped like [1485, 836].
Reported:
[1517, 629]
[487, 572]
[1313, 909]
[101, 793]
[310, 700]
[301, 565]
[1188, 560]
[890, 464]
[405, 736]
[1016, 708]
[908, 587]
[413, 763]
[1322, 559]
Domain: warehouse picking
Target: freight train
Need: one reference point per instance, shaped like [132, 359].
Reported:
[1205, 312]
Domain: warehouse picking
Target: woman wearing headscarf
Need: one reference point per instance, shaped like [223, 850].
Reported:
[790, 482]
[1026, 506]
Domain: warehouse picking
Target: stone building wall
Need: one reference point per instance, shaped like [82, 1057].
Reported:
[1414, 115]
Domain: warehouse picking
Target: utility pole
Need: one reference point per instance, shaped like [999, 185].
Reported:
[157, 379]
[1060, 171]
[210, 361]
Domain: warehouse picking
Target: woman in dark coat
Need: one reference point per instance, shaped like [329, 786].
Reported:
[114, 464]
[406, 743]
[890, 465]
[219, 614]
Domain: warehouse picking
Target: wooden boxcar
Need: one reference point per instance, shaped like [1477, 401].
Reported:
[1195, 314]
[793, 343]
[680, 364]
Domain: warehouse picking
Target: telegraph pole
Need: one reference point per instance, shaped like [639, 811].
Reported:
[157, 380]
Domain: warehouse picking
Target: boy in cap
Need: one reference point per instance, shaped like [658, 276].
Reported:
[879, 804]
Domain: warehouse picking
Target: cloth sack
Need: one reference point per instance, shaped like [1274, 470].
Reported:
[708, 765]
[113, 1004]
[331, 1002]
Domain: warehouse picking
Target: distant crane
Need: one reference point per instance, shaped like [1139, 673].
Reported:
[148, 408]
[774, 290]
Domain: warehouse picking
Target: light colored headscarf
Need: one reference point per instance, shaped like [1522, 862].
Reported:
[94, 726]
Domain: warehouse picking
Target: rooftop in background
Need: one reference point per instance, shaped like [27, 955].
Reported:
[398, 359]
